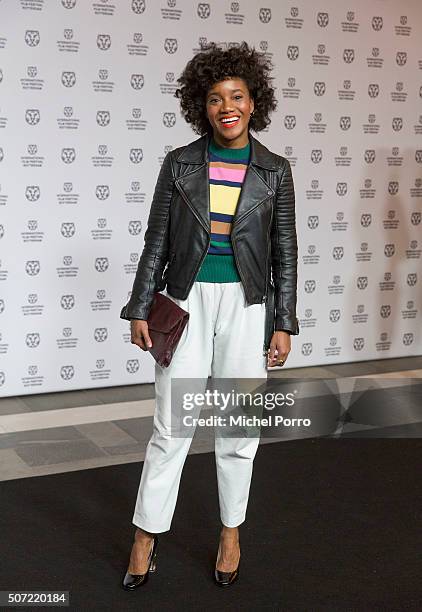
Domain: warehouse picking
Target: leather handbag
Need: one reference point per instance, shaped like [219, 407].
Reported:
[166, 322]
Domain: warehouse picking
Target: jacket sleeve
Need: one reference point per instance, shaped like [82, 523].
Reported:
[284, 254]
[155, 252]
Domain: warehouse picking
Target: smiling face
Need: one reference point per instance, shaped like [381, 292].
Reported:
[229, 106]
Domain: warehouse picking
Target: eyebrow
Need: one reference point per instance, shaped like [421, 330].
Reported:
[216, 93]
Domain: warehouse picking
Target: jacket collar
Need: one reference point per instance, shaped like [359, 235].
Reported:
[196, 152]
[194, 186]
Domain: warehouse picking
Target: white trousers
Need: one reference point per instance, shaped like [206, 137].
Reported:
[223, 335]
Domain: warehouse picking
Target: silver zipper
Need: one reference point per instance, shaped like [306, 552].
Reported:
[268, 263]
[209, 239]
[264, 299]
[233, 243]
[234, 249]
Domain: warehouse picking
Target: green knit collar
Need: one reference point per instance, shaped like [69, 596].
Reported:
[228, 153]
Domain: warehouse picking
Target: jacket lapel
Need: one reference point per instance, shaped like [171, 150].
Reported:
[194, 186]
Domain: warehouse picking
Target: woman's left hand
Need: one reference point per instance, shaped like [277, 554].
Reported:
[280, 346]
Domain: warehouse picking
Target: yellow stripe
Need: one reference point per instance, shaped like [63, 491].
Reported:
[223, 199]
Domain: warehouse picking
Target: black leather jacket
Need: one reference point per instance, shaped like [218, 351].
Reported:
[263, 233]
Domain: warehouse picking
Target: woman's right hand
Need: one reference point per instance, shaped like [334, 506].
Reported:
[139, 334]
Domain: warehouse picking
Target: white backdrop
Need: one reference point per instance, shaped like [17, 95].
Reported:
[87, 114]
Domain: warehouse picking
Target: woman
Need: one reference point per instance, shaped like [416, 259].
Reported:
[221, 237]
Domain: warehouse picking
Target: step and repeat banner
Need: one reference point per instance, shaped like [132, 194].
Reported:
[87, 114]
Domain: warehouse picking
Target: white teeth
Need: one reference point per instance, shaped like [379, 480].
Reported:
[230, 120]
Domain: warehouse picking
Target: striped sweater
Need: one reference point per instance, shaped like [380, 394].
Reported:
[226, 172]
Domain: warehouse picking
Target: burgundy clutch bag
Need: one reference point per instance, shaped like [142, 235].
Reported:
[166, 322]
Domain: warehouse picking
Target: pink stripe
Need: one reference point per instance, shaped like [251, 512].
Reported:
[227, 174]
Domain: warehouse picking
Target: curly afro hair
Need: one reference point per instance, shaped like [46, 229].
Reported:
[213, 64]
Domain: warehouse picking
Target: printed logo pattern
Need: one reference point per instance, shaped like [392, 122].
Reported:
[88, 115]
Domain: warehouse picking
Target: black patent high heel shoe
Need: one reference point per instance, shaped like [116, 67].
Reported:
[132, 581]
[225, 579]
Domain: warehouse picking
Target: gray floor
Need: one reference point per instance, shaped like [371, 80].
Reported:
[94, 440]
